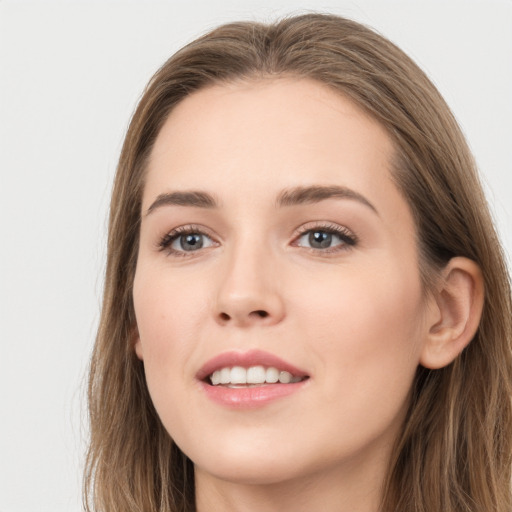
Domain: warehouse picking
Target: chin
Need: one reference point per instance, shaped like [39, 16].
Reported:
[246, 461]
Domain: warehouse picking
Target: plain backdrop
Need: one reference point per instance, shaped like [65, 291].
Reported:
[70, 76]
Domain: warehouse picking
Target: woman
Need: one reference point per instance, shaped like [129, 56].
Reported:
[306, 305]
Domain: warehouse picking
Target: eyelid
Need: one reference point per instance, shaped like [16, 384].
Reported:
[322, 225]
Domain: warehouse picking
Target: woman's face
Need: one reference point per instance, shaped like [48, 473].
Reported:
[273, 239]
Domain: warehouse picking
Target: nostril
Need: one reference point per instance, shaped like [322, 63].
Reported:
[259, 313]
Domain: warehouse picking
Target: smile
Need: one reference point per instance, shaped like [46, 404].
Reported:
[249, 379]
[237, 376]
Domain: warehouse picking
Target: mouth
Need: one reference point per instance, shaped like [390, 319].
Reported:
[240, 377]
[249, 379]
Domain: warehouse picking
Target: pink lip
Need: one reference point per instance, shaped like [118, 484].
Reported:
[248, 397]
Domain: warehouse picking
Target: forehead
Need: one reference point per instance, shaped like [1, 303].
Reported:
[276, 132]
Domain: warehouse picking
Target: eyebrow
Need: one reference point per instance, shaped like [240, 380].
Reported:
[289, 197]
[192, 198]
[317, 193]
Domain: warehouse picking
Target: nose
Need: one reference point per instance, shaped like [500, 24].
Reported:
[249, 291]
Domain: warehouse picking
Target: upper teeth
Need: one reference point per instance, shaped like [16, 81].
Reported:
[251, 375]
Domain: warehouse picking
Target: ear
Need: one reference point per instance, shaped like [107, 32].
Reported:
[459, 302]
[136, 343]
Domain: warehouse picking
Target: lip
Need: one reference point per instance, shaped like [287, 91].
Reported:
[248, 397]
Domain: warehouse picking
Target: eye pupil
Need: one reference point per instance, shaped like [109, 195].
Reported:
[320, 239]
[191, 241]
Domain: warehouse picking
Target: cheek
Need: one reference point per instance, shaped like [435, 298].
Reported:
[169, 314]
[366, 329]
[360, 302]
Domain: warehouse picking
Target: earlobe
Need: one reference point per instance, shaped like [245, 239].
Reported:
[459, 300]
[136, 343]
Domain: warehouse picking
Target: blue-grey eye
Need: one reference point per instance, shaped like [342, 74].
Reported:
[190, 242]
[320, 239]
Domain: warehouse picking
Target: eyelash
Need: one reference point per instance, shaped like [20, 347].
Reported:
[348, 238]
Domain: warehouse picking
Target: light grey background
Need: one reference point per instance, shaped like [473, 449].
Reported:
[70, 76]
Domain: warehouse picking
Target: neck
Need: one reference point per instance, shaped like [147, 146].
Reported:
[341, 489]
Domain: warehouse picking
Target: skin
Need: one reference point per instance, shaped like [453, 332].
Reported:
[354, 317]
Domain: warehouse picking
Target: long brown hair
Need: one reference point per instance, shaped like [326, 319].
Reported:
[454, 452]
